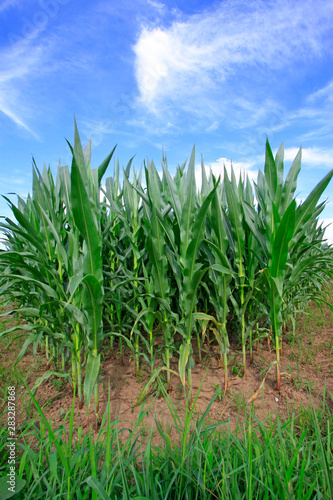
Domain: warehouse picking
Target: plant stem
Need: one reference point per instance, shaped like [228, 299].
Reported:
[278, 374]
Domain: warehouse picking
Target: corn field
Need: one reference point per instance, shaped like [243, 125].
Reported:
[153, 266]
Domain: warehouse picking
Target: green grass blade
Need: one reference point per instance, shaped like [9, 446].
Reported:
[92, 371]
[96, 486]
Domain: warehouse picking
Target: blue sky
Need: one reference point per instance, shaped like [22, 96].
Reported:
[149, 75]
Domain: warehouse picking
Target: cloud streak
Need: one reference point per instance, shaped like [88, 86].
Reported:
[202, 52]
[315, 156]
[7, 4]
[18, 62]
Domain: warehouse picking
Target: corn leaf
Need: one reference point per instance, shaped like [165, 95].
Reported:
[282, 238]
[91, 377]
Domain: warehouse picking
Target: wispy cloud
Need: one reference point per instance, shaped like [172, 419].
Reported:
[18, 62]
[213, 126]
[317, 110]
[97, 130]
[202, 52]
[7, 4]
[33, 56]
[315, 156]
[326, 93]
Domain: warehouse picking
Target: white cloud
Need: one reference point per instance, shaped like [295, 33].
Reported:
[315, 156]
[217, 168]
[328, 230]
[213, 126]
[96, 130]
[204, 51]
[17, 63]
[325, 93]
[156, 5]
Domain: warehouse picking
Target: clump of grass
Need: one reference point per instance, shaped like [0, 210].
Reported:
[291, 459]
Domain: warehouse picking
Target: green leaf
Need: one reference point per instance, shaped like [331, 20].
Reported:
[155, 373]
[275, 303]
[184, 355]
[204, 182]
[4, 487]
[290, 184]
[85, 216]
[92, 301]
[49, 228]
[154, 185]
[190, 293]
[278, 284]
[282, 238]
[188, 209]
[305, 210]
[222, 269]
[97, 487]
[279, 171]
[53, 461]
[156, 249]
[91, 377]
[79, 155]
[299, 269]
[172, 194]
[87, 153]
[51, 436]
[235, 217]
[224, 262]
[50, 292]
[204, 316]
[35, 237]
[271, 175]
[218, 223]
[198, 230]
[47, 375]
[253, 222]
[65, 187]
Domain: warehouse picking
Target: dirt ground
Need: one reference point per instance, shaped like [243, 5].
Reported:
[307, 368]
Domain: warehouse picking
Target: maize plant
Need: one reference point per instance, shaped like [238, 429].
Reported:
[220, 274]
[54, 257]
[284, 226]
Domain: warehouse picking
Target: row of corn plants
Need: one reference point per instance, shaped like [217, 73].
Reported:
[149, 263]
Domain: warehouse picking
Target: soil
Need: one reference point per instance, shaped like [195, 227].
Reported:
[307, 374]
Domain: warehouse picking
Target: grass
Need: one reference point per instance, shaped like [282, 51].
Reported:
[306, 343]
[283, 459]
